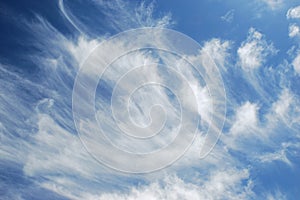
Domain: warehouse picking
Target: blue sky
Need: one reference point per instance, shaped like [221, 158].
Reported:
[248, 57]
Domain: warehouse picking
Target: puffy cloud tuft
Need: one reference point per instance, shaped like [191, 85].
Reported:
[253, 51]
[293, 13]
[294, 30]
[296, 64]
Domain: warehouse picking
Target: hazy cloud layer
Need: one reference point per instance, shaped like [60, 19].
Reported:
[38, 136]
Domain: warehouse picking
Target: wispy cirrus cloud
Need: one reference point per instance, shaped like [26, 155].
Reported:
[274, 4]
[223, 184]
[38, 134]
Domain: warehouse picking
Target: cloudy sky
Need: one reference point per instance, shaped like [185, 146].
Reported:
[149, 100]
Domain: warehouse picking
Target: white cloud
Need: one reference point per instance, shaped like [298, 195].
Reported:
[253, 52]
[246, 119]
[55, 159]
[220, 185]
[273, 4]
[81, 48]
[293, 13]
[120, 16]
[294, 30]
[144, 16]
[218, 51]
[245, 129]
[248, 133]
[286, 109]
[281, 107]
[51, 150]
[52, 154]
[275, 156]
[277, 195]
[296, 64]
[246, 122]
